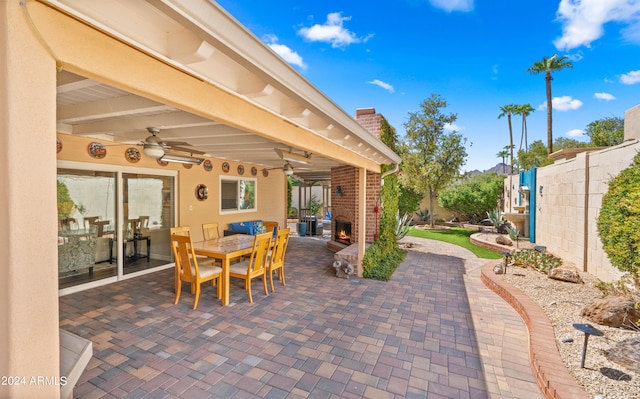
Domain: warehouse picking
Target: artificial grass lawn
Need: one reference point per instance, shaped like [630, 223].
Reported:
[458, 236]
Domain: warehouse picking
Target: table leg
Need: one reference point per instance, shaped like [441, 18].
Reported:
[148, 249]
[225, 281]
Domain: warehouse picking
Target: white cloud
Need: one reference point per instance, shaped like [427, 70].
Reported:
[564, 103]
[630, 78]
[604, 96]
[452, 127]
[453, 5]
[332, 31]
[382, 84]
[583, 20]
[284, 51]
[575, 133]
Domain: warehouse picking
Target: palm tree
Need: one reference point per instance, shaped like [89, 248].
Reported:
[546, 66]
[524, 111]
[508, 110]
[503, 154]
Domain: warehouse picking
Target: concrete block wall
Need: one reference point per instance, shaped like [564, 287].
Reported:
[570, 202]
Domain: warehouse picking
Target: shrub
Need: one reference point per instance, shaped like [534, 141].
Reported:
[619, 219]
[541, 261]
[379, 264]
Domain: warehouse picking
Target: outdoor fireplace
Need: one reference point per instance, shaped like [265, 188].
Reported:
[342, 232]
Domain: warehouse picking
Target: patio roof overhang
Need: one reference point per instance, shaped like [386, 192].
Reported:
[256, 102]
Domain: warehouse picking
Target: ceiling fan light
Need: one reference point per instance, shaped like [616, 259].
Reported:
[154, 151]
[181, 159]
[288, 170]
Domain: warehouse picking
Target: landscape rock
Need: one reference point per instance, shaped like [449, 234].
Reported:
[566, 273]
[499, 268]
[344, 269]
[612, 311]
[626, 353]
[502, 240]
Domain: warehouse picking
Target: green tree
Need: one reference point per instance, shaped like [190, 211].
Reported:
[535, 156]
[503, 154]
[524, 111]
[409, 200]
[562, 143]
[606, 132]
[508, 110]
[547, 66]
[431, 157]
[473, 196]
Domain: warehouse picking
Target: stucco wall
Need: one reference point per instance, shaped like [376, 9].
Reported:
[271, 195]
[568, 208]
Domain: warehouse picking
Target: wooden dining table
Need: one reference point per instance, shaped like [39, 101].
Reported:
[225, 249]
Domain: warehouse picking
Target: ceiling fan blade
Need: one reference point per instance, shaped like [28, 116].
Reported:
[185, 149]
[174, 143]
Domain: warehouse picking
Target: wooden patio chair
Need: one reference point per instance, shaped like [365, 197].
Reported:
[276, 260]
[270, 227]
[188, 269]
[257, 264]
[211, 230]
[202, 260]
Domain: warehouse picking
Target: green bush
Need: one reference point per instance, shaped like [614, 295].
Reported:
[541, 261]
[379, 264]
[472, 197]
[619, 219]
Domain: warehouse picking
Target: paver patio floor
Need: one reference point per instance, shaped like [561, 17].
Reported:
[317, 337]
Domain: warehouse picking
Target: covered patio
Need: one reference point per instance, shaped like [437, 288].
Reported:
[317, 337]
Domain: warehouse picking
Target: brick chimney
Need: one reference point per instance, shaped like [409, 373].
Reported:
[368, 118]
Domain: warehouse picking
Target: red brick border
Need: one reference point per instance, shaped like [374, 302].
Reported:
[552, 375]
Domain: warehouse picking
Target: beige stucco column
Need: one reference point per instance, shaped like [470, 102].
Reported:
[362, 217]
[29, 339]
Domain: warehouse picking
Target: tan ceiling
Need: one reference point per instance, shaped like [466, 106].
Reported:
[199, 37]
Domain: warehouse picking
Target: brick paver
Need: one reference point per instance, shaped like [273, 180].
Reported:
[432, 331]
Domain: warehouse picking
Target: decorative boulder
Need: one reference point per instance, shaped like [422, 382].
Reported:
[612, 311]
[626, 353]
[502, 240]
[566, 273]
[499, 268]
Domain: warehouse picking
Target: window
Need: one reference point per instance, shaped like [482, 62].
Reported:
[237, 194]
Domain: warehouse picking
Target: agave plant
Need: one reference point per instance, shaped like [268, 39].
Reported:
[403, 225]
[495, 217]
[513, 232]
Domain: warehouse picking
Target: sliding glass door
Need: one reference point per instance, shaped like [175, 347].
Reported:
[112, 223]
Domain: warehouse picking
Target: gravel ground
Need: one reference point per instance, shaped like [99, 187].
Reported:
[563, 302]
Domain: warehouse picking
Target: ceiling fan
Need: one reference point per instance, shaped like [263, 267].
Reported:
[155, 147]
[291, 156]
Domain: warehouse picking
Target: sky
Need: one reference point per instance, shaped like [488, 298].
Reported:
[393, 55]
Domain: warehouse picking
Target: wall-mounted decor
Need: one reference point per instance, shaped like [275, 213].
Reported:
[202, 192]
[240, 170]
[254, 171]
[58, 145]
[340, 191]
[132, 154]
[265, 172]
[97, 150]
[161, 162]
[207, 165]
[187, 165]
[225, 167]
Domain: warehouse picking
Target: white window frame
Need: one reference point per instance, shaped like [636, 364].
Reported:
[238, 209]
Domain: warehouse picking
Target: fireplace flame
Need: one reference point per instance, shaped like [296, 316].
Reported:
[343, 235]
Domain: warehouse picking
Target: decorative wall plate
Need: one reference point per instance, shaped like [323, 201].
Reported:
[207, 165]
[254, 171]
[225, 167]
[97, 150]
[202, 192]
[187, 165]
[161, 162]
[58, 145]
[240, 170]
[265, 172]
[132, 154]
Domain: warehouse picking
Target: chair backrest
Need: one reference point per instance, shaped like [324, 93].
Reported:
[280, 248]
[211, 230]
[181, 231]
[270, 227]
[185, 257]
[258, 260]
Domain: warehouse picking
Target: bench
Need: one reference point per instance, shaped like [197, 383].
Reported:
[75, 353]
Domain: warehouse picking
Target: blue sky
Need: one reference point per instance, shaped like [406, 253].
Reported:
[474, 53]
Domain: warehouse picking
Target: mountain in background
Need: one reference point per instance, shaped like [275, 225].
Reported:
[500, 168]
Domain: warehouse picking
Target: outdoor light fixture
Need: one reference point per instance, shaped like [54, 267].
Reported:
[293, 157]
[181, 159]
[288, 170]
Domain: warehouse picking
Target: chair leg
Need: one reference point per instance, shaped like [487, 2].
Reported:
[248, 287]
[271, 280]
[281, 274]
[178, 290]
[219, 286]
[195, 302]
[264, 283]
